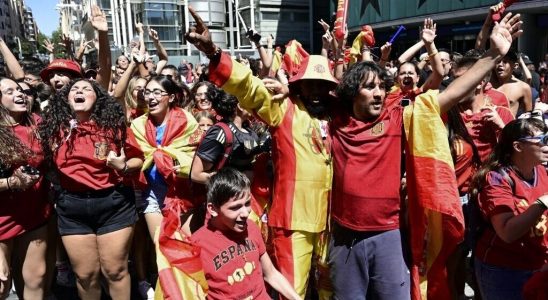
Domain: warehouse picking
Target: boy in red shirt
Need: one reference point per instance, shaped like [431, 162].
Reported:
[233, 253]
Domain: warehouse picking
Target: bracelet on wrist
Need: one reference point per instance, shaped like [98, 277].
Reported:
[433, 54]
[544, 207]
[214, 54]
[8, 182]
[124, 170]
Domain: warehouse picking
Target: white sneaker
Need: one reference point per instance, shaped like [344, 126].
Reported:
[146, 291]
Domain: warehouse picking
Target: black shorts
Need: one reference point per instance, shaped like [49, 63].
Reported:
[96, 212]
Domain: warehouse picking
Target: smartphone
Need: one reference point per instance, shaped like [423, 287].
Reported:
[405, 102]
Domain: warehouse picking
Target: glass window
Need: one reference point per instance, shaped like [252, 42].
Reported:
[161, 17]
[301, 17]
[104, 4]
[270, 16]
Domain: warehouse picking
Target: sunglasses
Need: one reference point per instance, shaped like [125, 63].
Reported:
[542, 139]
[28, 92]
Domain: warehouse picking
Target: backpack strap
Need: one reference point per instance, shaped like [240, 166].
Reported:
[229, 135]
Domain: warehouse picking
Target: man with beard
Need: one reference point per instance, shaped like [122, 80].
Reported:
[518, 92]
[366, 259]
[300, 152]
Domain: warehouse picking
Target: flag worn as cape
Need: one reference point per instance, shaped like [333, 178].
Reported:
[178, 145]
[180, 271]
[293, 56]
[436, 222]
[365, 37]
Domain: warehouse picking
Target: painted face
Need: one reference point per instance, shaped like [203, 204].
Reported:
[59, 79]
[82, 97]
[369, 101]
[314, 94]
[534, 148]
[204, 123]
[122, 62]
[157, 98]
[13, 98]
[407, 76]
[233, 214]
[202, 102]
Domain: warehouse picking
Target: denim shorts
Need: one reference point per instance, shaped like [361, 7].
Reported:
[497, 283]
[96, 212]
[152, 199]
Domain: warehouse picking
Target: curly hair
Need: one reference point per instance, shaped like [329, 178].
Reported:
[210, 88]
[502, 153]
[349, 86]
[107, 113]
[12, 151]
[224, 104]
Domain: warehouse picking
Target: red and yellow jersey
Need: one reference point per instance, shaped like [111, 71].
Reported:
[300, 151]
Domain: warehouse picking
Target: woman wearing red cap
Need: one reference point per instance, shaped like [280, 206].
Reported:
[24, 209]
[84, 135]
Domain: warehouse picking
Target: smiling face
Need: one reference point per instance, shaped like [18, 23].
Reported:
[204, 123]
[532, 148]
[202, 101]
[13, 100]
[29, 95]
[233, 214]
[314, 94]
[81, 99]
[122, 62]
[369, 101]
[158, 100]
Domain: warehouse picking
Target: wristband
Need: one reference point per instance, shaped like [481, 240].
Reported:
[433, 54]
[8, 182]
[539, 202]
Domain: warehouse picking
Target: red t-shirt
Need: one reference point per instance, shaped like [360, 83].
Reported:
[485, 133]
[464, 164]
[530, 251]
[367, 152]
[82, 159]
[231, 262]
[22, 211]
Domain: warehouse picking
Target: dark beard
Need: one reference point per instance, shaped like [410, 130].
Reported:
[318, 110]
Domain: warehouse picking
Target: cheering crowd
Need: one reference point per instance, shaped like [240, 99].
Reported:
[346, 175]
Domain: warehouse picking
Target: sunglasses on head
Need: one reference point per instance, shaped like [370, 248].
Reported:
[535, 114]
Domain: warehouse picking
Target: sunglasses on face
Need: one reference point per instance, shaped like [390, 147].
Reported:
[542, 139]
[28, 92]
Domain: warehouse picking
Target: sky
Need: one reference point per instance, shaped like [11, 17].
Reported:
[45, 15]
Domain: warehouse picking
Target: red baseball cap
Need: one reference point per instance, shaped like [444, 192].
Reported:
[66, 65]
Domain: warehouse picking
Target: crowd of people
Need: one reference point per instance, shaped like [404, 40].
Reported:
[294, 175]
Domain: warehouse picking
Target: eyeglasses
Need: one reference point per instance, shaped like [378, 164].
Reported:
[156, 93]
[542, 139]
[535, 114]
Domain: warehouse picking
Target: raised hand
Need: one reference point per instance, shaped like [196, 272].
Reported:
[278, 90]
[324, 25]
[428, 33]
[21, 180]
[327, 39]
[199, 35]
[48, 45]
[504, 32]
[139, 28]
[98, 19]
[385, 51]
[153, 34]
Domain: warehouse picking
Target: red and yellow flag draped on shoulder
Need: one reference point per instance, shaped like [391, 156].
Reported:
[436, 221]
[180, 272]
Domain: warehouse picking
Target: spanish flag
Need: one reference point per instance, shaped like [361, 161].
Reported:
[436, 222]
[180, 272]
[276, 63]
[365, 37]
[293, 56]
